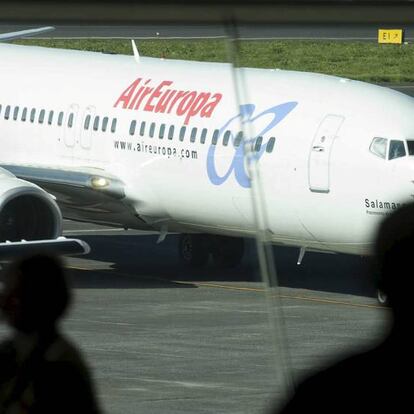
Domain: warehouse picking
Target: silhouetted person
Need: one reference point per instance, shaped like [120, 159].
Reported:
[378, 380]
[40, 371]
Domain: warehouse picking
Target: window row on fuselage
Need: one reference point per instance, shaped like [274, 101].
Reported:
[42, 116]
[202, 135]
[143, 129]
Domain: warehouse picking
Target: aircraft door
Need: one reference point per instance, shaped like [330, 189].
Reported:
[70, 125]
[320, 153]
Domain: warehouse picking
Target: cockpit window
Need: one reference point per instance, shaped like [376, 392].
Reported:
[379, 147]
[410, 145]
[397, 150]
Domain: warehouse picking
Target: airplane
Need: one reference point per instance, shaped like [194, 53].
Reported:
[167, 145]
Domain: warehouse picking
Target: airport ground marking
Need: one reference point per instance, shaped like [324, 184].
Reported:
[283, 296]
[246, 289]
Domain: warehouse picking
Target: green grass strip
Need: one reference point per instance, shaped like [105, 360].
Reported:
[366, 61]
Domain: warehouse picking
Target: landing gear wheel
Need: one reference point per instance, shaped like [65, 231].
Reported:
[382, 298]
[227, 252]
[193, 250]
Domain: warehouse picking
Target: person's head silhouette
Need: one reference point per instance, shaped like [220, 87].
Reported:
[394, 252]
[35, 294]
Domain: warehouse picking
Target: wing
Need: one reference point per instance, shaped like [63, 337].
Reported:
[88, 194]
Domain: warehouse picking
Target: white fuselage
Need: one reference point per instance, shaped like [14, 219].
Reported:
[323, 186]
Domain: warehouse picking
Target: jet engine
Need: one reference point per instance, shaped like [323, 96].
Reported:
[26, 211]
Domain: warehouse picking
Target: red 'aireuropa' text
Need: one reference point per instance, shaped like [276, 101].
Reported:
[163, 99]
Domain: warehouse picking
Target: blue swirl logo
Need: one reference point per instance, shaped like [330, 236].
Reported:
[245, 117]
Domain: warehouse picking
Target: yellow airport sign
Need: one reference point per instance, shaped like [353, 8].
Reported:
[394, 36]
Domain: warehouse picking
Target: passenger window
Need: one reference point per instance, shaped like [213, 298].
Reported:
[96, 123]
[113, 125]
[215, 137]
[87, 122]
[379, 147]
[105, 121]
[152, 130]
[226, 138]
[142, 129]
[182, 133]
[60, 118]
[132, 127]
[7, 112]
[42, 116]
[24, 114]
[50, 119]
[258, 144]
[171, 132]
[70, 120]
[238, 139]
[270, 144]
[397, 150]
[193, 135]
[32, 115]
[15, 113]
[203, 135]
[162, 131]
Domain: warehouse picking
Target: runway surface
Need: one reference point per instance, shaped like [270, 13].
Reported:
[161, 338]
[263, 31]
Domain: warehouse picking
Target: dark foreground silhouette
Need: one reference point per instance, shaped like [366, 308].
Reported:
[40, 370]
[378, 380]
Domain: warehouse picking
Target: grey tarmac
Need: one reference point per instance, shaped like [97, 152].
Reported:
[161, 338]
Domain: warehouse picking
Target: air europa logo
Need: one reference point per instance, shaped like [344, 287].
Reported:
[246, 116]
[164, 98]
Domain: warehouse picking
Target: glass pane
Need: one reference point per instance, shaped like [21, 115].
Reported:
[96, 123]
[60, 118]
[15, 113]
[152, 130]
[379, 147]
[42, 116]
[50, 118]
[226, 138]
[142, 129]
[203, 135]
[215, 137]
[70, 120]
[162, 131]
[270, 144]
[132, 127]
[171, 132]
[24, 114]
[87, 122]
[231, 334]
[113, 125]
[7, 112]
[182, 133]
[397, 149]
[105, 121]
